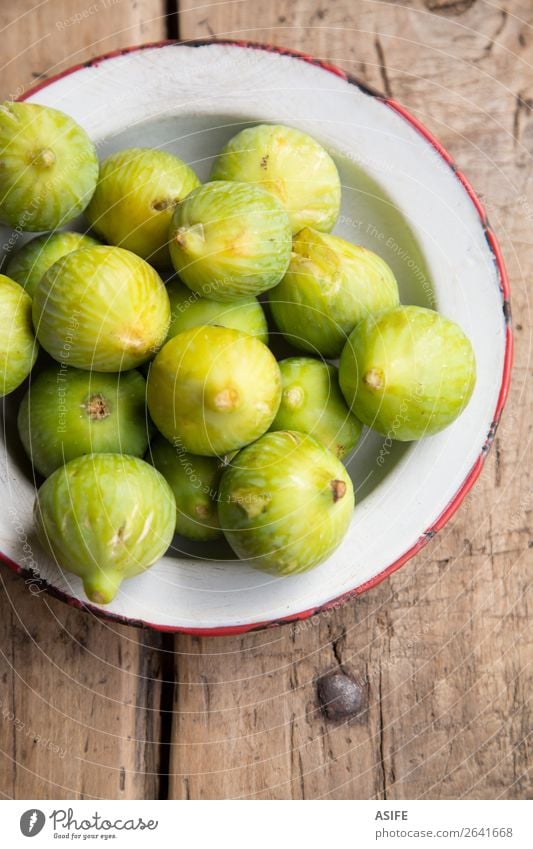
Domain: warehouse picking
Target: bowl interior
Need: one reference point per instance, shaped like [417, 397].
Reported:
[399, 199]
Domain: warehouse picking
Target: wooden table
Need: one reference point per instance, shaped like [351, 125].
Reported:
[440, 650]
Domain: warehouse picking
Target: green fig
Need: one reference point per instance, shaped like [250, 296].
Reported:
[407, 372]
[285, 503]
[230, 241]
[212, 390]
[105, 517]
[329, 286]
[29, 264]
[135, 197]
[188, 310]
[291, 165]
[194, 481]
[101, 309]
[18, 348]
[311, 402]
[67, 412]
[48, 165]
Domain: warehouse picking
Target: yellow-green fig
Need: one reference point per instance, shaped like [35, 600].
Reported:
[101, 309]
[67, 412]
[187, 310]
[230, 241]
[407, 372]
[29, 264]
[291, 165]
[329, 286]
[211, 390]
[285, 503]
[312, 402]
[135, 197]
[48, 167]
[105, 517]
[194, 481]
[18, 348]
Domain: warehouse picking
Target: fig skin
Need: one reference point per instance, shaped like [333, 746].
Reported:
[312, 403]
[329, 286]
[230, 241]
[285, 503]
[49, 167]
[29, 263]
[66, 413]
[211, 390]
[292, 166]
[101, 309]
[105, 517]
[188, 310]
[194, 481]
[132, 206]
[18, 347]
[407, 372]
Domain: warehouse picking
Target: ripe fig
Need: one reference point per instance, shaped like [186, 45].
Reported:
[29, 264]
[289, 164]
[135, 197]
[311, 402]
[230, 241]
[212, 390]
[187, 310]
[105, 517]
[407, 372]
[48, 165]
[67, 412]
[18, 348]
[329, 286]
[194, 481]
[101, 309]
[285, 503]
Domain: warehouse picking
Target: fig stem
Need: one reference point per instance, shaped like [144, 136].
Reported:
[101, 587]
[374, 378]
[44, 158]
[294, 396]
[226, 400]
[338, 488]
[253, 503]
[191, 239]
[133, 339]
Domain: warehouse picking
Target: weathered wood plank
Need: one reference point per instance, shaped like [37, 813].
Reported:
[42, 39]
[441, 649]
[80, 700]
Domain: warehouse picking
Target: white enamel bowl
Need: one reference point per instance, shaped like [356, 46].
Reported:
[403, 198]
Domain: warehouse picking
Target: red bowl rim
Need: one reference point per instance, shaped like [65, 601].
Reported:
[43, 585]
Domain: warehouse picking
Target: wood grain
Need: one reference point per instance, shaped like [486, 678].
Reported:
[80, 703]
[80, 700]
[441, 649]
[41, 39]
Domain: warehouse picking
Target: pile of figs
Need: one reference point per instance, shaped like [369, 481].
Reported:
[154, 404]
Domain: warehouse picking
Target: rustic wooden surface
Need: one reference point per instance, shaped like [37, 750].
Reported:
[440, 650]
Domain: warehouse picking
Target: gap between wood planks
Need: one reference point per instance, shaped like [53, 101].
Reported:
[168, 685]
[172, 20]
